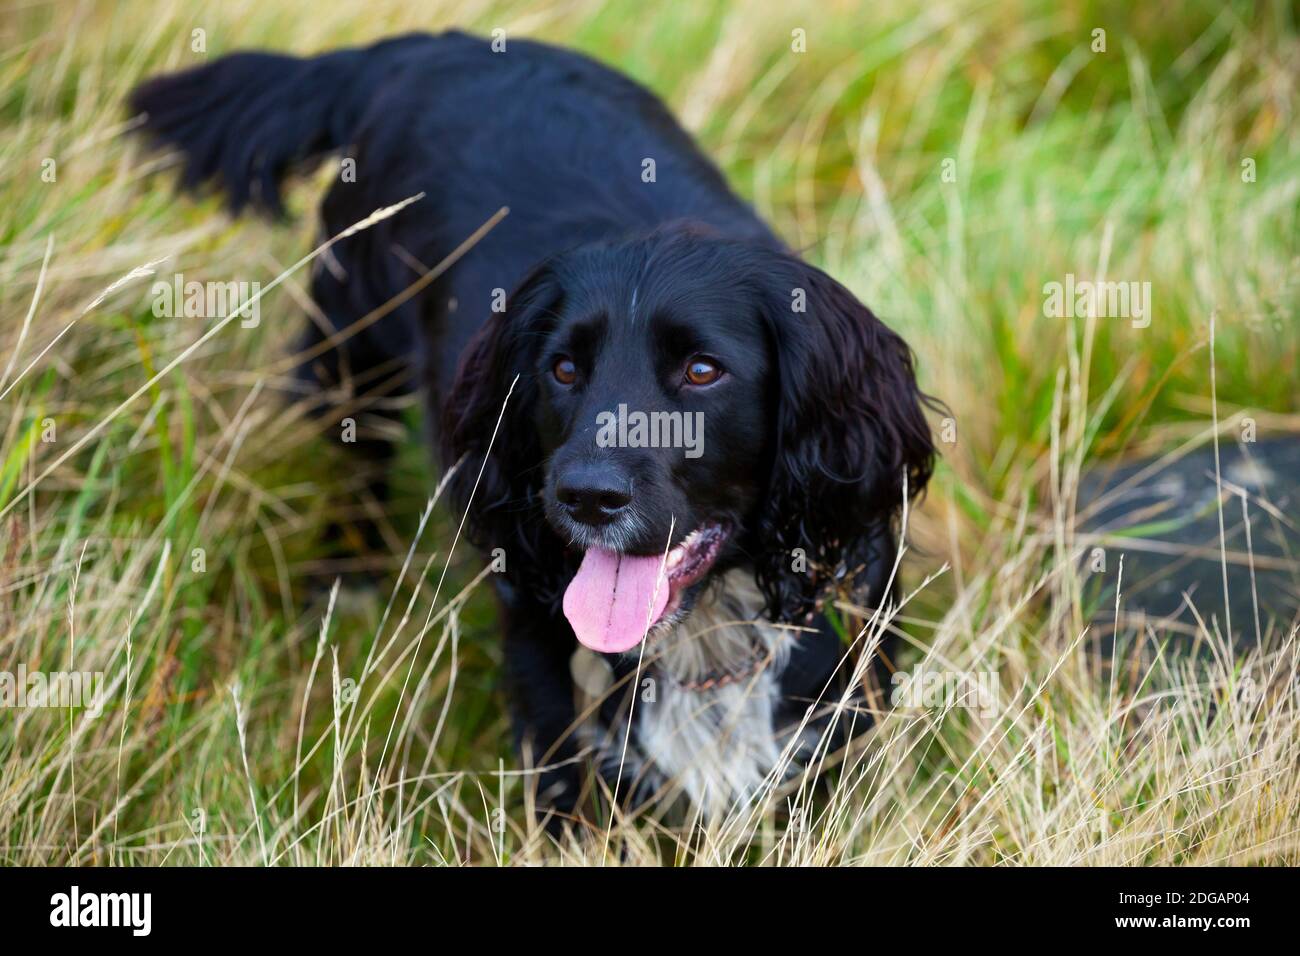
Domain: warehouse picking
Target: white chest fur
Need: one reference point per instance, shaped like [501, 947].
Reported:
[717, 745]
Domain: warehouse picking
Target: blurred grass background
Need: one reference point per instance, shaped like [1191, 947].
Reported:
[1126, 163]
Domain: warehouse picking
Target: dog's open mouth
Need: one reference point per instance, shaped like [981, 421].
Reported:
[614, 599]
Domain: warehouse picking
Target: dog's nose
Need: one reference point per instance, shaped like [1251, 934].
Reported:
[593, 494]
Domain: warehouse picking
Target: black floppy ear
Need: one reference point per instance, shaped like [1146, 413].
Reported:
[850, 425]
[498, 483]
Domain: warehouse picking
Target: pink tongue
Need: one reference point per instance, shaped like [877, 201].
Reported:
[614, 599]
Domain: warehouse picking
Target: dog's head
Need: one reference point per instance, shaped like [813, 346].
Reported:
[682, 404]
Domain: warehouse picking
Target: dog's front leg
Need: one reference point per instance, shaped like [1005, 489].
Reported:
[539, 695]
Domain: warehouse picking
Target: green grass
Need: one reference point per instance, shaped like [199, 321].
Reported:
[1127, 163]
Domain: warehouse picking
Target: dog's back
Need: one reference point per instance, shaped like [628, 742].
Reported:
[575, 151]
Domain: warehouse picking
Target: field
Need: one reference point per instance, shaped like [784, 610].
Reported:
[163, 511]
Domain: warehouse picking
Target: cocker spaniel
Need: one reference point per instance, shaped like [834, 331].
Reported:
[676, 435]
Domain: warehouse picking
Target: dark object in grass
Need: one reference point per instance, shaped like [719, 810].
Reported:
[637, 280]
[1164, 519]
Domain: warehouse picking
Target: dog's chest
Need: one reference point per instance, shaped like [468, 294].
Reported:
[705, 704]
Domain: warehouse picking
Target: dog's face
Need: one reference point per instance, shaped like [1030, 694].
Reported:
[655, 393]
[684, 404]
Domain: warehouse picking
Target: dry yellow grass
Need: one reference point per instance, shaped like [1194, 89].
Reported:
[248, 722]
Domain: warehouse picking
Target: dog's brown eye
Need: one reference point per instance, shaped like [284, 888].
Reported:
[702, 371]
[566, 373]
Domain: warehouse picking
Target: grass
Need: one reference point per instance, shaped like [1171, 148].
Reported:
[163, 535]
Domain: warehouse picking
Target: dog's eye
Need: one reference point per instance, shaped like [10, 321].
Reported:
[565, 372]
[703, 371]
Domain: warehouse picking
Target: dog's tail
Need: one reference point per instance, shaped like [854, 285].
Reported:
[243, 121]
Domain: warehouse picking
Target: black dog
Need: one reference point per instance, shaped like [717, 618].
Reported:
[705, 434]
